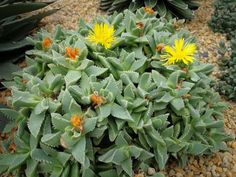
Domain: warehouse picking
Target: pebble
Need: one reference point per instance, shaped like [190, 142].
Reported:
[179, 175]
[219, 170]
[229, 174]
[151, 171]
[172, 172]
[234, 168]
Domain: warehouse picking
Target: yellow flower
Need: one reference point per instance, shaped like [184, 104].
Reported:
[180, 52]
[102, 34]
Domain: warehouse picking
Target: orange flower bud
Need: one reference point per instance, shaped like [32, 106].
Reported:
[149, 10]
[96, 99]
[47, 42]
[160, 46]
[72, 53]
[77, 122]
[140, 25]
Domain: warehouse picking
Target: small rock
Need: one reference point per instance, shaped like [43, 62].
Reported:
[190, 174]
[208, 174]
[229, 174]
[192, 167]
[151, 171]
[172, 173]
[234, 168]
[219, 170]
[205, 55]
[179, 175]
[233, 145]
[179, 170]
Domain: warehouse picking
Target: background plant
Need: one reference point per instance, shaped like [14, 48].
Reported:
[86, 110]
[223, 19]
[14, 27]
[226, 84]
[165, 8]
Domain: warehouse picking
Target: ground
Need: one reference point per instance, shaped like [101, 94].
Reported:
[222, 164]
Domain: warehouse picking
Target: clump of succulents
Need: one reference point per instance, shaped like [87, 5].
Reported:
[223, 19]
[165, 8]
[227, 80]
[113, 98]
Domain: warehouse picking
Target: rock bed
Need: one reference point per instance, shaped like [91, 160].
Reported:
[222, 164]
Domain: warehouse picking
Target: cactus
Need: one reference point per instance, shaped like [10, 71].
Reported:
[226, 84]
[86, 106]
[223, 19]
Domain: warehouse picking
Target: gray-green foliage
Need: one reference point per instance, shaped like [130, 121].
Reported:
[165, 8]
[152, 112]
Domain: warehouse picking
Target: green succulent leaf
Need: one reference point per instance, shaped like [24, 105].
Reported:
[35, 122]
[51, 139]
[79, 150]
[120, 112]
[177, 103]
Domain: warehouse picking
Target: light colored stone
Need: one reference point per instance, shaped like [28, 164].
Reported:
[229, 174]
[219, 170]
[151, 171]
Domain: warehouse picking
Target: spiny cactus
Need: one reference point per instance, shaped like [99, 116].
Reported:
[227, 80]
[165, 8]
[223, 19]
[101, 101]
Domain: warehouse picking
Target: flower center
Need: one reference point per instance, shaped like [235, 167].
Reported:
[180, 54]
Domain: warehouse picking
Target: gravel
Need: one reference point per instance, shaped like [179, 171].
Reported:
[222, 164]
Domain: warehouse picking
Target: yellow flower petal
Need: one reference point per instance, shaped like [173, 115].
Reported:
[180, 52]
[102, 34]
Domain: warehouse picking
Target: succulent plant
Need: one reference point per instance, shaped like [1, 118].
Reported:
[100, 104]
[14, 27]
[226, 84]
[223, 19]
[165, 8]
[3, 119]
